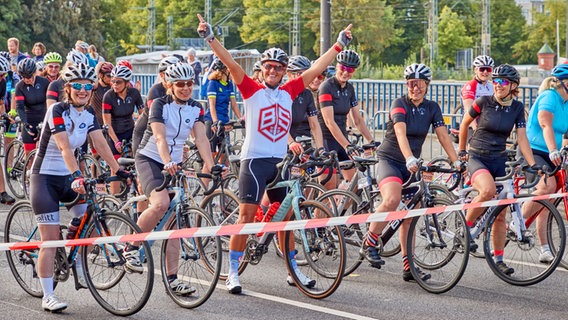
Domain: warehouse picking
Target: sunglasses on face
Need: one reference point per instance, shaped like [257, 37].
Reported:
[181, 84]
[276, 67]
[485, 69]
[348, 69]
[501, 82]
[53, 66]
[117, 81]
[79, 86]
[417, 84]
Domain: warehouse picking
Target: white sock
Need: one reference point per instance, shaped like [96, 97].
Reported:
[544, 248]
[47, 286]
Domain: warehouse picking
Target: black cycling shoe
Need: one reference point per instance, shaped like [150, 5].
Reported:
[473, 246]
[505, 269]
[372, 255]
[407, 275]
[5, 198]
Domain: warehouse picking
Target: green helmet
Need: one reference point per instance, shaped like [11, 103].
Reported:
[51, 57]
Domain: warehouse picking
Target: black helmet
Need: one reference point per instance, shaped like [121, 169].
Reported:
[418, 71]
[27, 68]
[298, 63]
[274, 54]
[349, 58]
[218, 65]
[508, 72]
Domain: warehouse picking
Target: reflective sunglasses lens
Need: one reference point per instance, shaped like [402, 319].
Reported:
[348, 69]
[501, 82]
[181, 84]
[485, 69]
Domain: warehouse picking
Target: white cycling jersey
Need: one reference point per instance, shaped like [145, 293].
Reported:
[268, 117]
[475, 89]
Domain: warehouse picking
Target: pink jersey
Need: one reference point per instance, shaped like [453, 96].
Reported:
[268, 117]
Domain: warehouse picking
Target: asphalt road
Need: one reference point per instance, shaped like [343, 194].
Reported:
[367, 294]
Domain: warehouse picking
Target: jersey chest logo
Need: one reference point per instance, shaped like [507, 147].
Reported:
[273, 122]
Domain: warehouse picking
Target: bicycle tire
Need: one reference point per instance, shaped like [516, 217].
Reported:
[523, 255]
[449, 180]
[440, 246]
[223, 207]
[21, 226]
[345, 203]
[203, 272]
[559, 204]
[119, 292]
[14, 164]
[27, 172]
[391, 247]
[323, 248]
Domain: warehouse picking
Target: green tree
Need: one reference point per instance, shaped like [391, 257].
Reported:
[506, 25]
[542, 31]
[11, 22]
[451, 37]
[266, 22]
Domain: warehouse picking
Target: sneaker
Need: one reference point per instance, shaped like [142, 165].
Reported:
[132, 260]
[504, 268]
[233, 284]
[53, 304]
[181, 288]
[546, 257]
[6, 198]
[407, 275]
[372, 255]
[305, 280]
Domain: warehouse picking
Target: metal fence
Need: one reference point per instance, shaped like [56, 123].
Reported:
[376, 96]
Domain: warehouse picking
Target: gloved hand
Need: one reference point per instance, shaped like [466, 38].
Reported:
[123, 174]
[345, 37]
[412, 164]
[352, 150]
[462, 155]
[204, 30]
[32, 131]
[78, 185]
[555, 157]
[459, 165]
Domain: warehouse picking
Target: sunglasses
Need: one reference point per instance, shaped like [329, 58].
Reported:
[348, 69]
[501, 82]
[416, 84]
[53, 66]
[118, 82]
[79, 86]
[182, 84]
[276, 67]
[485, 69]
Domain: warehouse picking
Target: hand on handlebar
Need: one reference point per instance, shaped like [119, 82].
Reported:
[412, 164]
[171, 167]
[352, 151]
[296, 148]
[555, 157]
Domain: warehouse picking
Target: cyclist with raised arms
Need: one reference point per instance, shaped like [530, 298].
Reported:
[546, 126]
[221, 96]
[172, 119]
[304, 112]
[55, 172]
[410, 119]
[496, 117]
[337, 99]
[268, 108]
[30, 101]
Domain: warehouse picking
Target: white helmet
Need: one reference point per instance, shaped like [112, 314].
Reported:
[4, 65]
[121, 72]
[79, 72]
[77, 57]
[483, 61]
[166, 62]
[418, 71]
[179, 71]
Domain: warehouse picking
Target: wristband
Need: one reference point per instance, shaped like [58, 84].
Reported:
[210, 39]
[337, 47]
[76, 174]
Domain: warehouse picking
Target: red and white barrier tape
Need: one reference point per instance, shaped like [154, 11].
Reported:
[253, 228]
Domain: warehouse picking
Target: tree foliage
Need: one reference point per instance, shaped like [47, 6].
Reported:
[506, 29]
[451, 37]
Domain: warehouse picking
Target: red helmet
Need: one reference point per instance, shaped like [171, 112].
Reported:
[104, 67]
[125, 63]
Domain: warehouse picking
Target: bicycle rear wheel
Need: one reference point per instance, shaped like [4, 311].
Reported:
[523, 254]
[324, 250]
[345, 203]
[196, 261]
[440, 247]
[223, 208]
[21, 226]
[118, 291]
[14, 165]
[559, 204]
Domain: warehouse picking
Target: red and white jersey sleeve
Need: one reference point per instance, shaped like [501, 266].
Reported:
[475, 89]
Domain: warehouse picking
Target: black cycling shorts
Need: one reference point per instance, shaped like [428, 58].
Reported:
[493, 163]
[149, 173]
[254, 176]
[393, 171]
[46, 191]
[332, 144]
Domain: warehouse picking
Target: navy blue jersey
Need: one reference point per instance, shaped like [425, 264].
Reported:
[418, 120]
[495, 123]
[122, 110]
[97, 101]
[303, 107]
[31, 100]
[331, 94]
[55, 90]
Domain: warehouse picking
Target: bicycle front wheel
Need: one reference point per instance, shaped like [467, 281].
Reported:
[522, 255]
[324, 250]
[195, 262]
[440, 247]
[14, 165]
[117, 290]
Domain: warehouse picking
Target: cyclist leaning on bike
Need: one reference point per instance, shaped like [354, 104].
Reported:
[55, 172]
[496, 116]
[410, 118]
[170, 122]
[266, 134]
[546, 125]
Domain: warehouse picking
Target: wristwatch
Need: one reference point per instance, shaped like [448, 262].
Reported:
[76, 174]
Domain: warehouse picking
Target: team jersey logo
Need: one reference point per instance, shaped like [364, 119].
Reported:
[273, 122]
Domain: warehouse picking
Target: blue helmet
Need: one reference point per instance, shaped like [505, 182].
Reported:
[560, 71]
